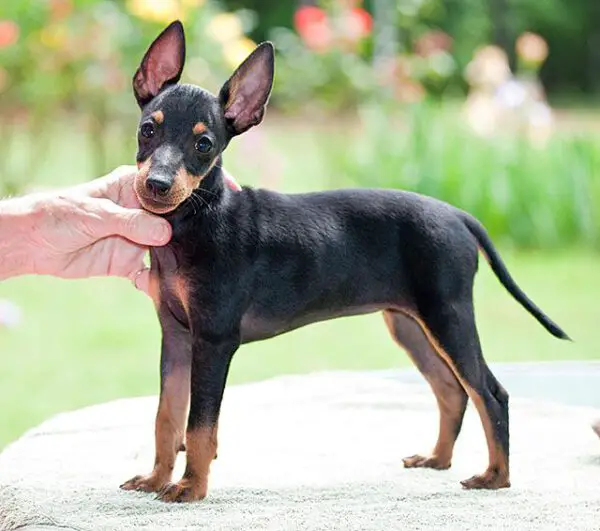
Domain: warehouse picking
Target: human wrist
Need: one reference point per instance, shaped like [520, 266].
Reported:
[17, 221]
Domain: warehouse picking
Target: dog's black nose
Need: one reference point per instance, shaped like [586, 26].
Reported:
[158, 186]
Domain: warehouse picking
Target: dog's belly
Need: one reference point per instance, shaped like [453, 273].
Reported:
[256, 327]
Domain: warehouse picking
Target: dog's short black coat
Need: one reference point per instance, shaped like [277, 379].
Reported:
[251, 264]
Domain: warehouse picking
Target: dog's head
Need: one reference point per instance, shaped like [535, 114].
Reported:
[184, 129]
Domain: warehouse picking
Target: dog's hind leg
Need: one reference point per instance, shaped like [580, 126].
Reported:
[450, 328]
[449, 393]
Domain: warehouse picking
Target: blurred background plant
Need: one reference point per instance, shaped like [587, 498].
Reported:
[66, 65]
[491, 105]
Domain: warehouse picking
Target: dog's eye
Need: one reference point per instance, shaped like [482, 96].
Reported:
[203, 144]
[147, 130]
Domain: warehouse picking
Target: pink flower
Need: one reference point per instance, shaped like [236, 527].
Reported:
[60, 9]
[9, 33]
[360, 22]
[314, 29]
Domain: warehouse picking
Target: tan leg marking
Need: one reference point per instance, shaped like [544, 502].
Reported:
[201, 445]
[169, 429]
[441, 456]
[497, 474]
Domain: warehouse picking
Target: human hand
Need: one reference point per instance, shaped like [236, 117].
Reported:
[94, 229]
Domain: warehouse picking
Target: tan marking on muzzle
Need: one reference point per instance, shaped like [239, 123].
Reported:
[184, 184]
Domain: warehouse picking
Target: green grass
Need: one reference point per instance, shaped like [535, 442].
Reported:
[84, 342]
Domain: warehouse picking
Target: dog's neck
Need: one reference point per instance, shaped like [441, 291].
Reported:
[212, 185]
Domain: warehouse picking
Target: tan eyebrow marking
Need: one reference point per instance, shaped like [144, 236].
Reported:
[159, 117]
[200, 127]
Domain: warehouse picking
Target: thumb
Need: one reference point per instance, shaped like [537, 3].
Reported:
[134, 224]
[141, 279]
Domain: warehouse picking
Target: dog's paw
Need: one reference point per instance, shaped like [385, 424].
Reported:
[488, 480]
[433, 461]
[149, 483]
[185, 490]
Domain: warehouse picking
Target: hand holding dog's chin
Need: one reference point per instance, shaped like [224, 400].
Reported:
[94, 229]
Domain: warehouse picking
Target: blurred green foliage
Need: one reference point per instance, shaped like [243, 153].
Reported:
[572, 29]
[527, 196]
[68, 64]
[71, 61]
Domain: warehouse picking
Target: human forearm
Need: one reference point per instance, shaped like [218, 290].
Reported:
[17, 218]
[94, 229]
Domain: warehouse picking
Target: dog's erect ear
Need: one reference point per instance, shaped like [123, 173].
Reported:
[244, 96]
[162, 65]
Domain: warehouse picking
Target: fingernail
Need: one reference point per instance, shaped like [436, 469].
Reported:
[162, 232]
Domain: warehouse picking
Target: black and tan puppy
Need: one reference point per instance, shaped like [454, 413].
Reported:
[249, 265]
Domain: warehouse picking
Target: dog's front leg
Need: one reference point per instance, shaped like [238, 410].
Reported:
[175, 367]
[211, 357]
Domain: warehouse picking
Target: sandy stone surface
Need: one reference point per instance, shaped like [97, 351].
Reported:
[314, 452]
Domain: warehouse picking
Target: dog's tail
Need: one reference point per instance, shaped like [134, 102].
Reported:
[499, 268]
